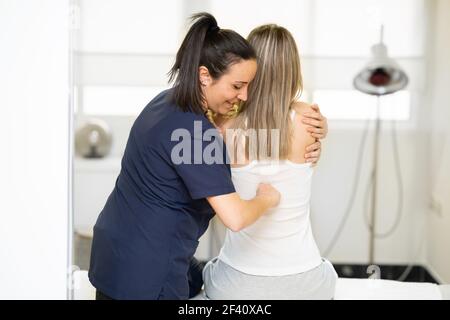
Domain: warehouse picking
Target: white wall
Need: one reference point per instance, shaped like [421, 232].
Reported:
[439, 217]
[332, 189]
[34, 127]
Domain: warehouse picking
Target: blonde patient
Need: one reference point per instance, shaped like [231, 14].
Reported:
[276, 257]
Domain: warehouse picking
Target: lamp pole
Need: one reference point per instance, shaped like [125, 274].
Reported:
[381, 76]
[374, 187]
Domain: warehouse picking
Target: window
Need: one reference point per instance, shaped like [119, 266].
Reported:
[345, 28]
[123, 51]
[125, 48]
[131, 26]
[117, 100]
[354, 105]
[349, 27]
[334, 40]
[294, 15]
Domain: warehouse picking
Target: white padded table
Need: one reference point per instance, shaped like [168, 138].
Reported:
[346, 289]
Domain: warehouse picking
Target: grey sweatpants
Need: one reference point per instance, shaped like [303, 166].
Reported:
[222, 282]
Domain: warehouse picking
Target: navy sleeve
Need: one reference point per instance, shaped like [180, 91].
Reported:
[200, 161]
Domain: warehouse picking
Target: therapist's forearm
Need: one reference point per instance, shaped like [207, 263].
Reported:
[237, 213]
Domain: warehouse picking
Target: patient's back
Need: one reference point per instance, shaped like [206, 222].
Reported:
[281, 241]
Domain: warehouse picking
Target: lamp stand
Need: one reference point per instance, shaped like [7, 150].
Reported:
[374, 187]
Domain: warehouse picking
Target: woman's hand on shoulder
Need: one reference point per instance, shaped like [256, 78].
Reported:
[315, 124]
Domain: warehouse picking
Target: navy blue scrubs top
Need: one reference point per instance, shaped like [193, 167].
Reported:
[149, 228]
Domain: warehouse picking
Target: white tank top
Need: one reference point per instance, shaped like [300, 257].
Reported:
[280, 242]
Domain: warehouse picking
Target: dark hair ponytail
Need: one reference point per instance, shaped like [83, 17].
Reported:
[204, 45]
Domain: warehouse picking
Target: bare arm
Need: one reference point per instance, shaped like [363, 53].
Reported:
[301, 136]
[237, 213]
[317, 126]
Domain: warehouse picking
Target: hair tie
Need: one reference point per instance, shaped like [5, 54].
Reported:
[214, 29]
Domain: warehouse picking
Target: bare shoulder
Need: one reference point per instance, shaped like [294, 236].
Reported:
[301, 107]
[301, 138]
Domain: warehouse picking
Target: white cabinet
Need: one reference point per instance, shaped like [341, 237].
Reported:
[94, 180]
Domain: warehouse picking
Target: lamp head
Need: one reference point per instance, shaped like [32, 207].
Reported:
[381, 75]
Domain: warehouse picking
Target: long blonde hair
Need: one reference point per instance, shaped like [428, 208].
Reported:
[277, 85]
